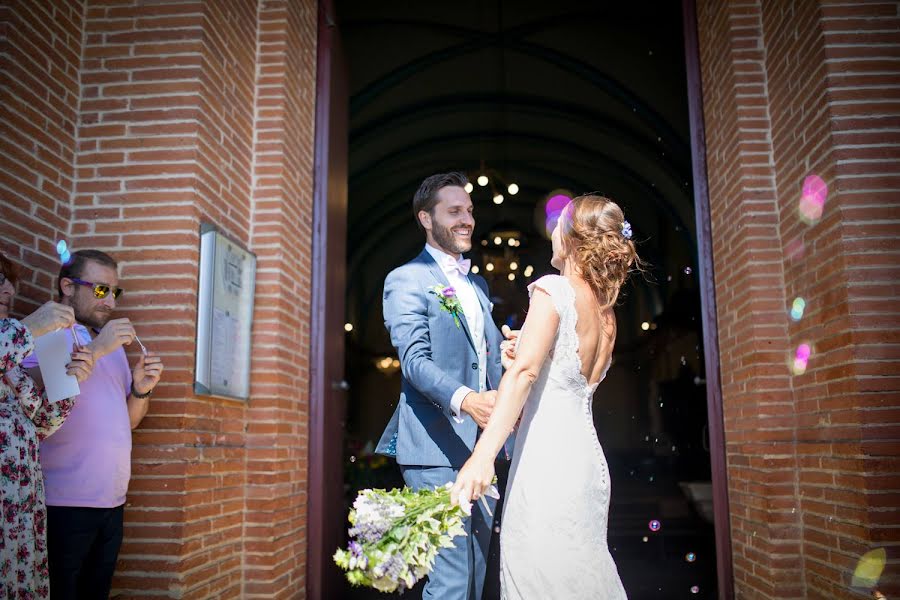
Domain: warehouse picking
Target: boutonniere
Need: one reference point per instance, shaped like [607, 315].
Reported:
[446, 295]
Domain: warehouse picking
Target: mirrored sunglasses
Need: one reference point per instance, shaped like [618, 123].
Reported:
[101, 290]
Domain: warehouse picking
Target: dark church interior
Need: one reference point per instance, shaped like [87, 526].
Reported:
[536, 103]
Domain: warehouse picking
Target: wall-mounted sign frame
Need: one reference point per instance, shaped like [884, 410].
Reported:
[226, 288]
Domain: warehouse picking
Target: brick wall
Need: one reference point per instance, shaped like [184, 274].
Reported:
[277, 423]
[40, 53]
[153, 118]
[792, 90]
[858, 490]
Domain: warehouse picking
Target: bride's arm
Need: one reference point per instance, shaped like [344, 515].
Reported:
[538, 334]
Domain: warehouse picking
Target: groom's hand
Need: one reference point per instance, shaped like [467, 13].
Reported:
[510, 334]
[479, 406]
[508, 347]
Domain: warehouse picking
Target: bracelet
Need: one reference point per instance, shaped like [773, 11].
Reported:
[134, 393]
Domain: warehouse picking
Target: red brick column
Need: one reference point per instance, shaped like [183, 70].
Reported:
[753, 332]
[125, 125]
[278, 418]
[850, 473]
[165, 143]
[793, 90]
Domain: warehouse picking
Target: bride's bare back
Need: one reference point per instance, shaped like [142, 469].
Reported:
[596, 331]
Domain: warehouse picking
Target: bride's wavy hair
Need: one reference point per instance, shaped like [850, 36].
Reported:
[593, 233]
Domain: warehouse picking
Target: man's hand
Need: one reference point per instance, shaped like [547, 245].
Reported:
[508, 346]
[116, 333]
[81, 365]
[49, 317]
[479, 406]
[146, 373]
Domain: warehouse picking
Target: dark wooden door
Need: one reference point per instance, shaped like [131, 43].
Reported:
[716, 419]
[325, 516]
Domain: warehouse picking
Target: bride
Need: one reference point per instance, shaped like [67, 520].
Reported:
[553, 540]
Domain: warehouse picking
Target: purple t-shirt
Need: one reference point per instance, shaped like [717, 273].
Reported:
[87, 462]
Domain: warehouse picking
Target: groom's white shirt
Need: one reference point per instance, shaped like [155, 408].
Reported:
[465, 291]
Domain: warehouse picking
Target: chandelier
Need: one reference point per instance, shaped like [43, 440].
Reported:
[490, 178]
[500, 254]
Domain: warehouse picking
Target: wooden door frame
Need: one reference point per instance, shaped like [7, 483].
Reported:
[323, 511]
[714, 407]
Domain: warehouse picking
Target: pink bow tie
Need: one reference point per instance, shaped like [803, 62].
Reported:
[462, 265]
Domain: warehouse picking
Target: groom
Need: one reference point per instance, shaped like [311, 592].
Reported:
[438, 317]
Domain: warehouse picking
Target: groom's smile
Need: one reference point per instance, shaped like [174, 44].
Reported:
[463, 232]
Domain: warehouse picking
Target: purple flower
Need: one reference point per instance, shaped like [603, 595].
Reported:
[449, 291]
[374, 517]
[357, 558]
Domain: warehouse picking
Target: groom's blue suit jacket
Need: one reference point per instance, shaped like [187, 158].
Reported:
[436, 358]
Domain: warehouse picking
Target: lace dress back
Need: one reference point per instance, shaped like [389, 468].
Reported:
[553, 538]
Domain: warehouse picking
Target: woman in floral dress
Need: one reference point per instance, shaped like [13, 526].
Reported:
[26, 417]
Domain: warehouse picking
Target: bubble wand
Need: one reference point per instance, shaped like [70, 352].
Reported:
[143, 348]
[62, 249]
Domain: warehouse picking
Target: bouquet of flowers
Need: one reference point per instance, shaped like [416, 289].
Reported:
[397, 536]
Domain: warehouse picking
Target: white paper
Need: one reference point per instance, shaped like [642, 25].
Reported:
[53, 353]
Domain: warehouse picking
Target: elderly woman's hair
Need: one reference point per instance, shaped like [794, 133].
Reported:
[9, 269]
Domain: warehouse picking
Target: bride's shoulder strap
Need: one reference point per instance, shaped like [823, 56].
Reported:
[555, 286]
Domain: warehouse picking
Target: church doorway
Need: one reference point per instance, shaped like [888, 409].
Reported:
[546, 101]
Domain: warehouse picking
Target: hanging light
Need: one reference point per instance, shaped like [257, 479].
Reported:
[528, 271]
[513, 189]
[489, 266]
[498, 240]
[469, 187]
[513, 266]
[498, 199]
[511, 276]
[348, 327]
[511, 241]
[482, 180]
[475, 269]
[645, 325]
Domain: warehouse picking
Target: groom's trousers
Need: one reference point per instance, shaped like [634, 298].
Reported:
[458, 572]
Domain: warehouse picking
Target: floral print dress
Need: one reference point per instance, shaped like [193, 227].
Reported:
[26, 417]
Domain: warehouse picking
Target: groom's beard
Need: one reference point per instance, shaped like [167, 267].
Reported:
[449, 242]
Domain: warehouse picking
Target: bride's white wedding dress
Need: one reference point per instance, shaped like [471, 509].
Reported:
[553, 542]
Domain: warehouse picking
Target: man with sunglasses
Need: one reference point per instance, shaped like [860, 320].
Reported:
[87, 463]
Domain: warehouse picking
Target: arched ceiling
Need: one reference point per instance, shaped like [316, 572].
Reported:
[583, 96]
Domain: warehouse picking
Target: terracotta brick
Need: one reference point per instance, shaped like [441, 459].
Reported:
[815, 117]
[165, 132]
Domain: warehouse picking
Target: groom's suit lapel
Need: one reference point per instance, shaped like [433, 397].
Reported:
[441, 278]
